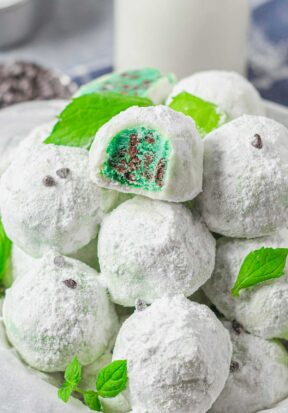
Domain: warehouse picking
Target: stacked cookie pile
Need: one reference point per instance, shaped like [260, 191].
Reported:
[133, 247]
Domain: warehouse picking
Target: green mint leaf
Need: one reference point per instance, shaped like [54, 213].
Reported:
[206, 115]
[73, 372]
[91, 399]
[84, 116]
[65, 391]
[259, 266]
[112, 379]
[5, 252]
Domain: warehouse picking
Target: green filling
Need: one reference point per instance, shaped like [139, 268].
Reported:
[132, 82]
[137, 157]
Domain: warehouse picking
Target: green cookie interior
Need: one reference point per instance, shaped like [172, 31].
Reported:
[138, 157]
[132, 82]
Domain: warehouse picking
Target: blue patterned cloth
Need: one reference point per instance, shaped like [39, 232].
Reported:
[268, 55]
[268, 51]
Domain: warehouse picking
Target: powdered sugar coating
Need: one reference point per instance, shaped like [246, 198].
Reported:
[281, 407]
[148, 248]
[22, 262]
[262, 309]
[35, 138]
[229, 90]
[183, 179]
[171, 365]
[258, 375]
[109, 199]
[62, 214]
[56, 312]
[245, 188]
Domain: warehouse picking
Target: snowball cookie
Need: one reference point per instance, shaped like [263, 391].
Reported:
[178, 356]
[153, 151]
[48, 201]
[109, 199]
[245, 188]
[58, 311]
[22, 262]
[258, 374]
[148, 82]
[147, 248]
[262, 309]
[229, 90]
[35, 138]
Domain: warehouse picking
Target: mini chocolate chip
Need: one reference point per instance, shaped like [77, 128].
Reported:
[257, 141]
[49, 181]
[59, 261]
[237, 327]
[149, 139]
[140, 305]
[234, 366]
[70, 283]
[63, 172]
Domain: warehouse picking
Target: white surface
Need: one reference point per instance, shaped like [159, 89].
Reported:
[21, 391]
[18, 120]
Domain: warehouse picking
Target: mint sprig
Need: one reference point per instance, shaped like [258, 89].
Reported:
[65, 391]
[73, 372]
[110, 382]
[5, 254]
[206, 115]
[91, 399]
[259, 266]
[79, 122]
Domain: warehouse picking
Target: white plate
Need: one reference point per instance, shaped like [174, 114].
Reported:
[18, 120]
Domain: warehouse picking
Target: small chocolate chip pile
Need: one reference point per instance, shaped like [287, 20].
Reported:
[25, 81]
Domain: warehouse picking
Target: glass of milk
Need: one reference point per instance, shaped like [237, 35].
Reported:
[182, 36]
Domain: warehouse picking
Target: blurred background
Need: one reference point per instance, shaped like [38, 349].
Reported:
[84, 39]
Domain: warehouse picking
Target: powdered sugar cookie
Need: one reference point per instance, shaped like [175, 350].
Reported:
[152, 151]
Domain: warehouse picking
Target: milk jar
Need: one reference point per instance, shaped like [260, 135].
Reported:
[182, 36]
